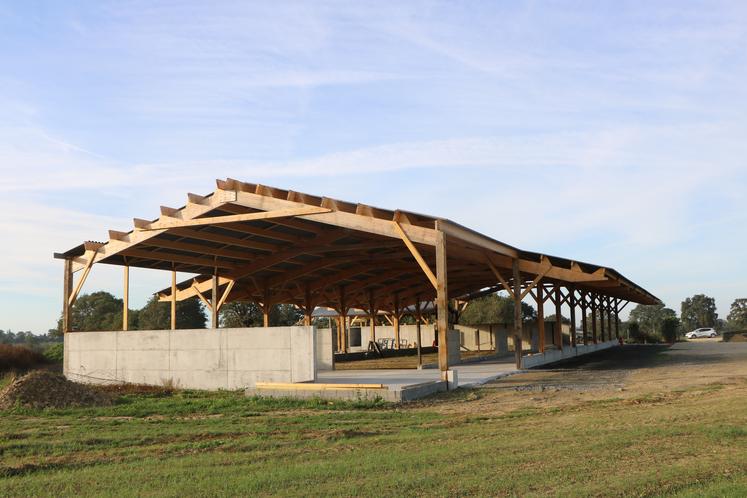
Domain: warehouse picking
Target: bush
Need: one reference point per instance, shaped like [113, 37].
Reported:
[634, 332]
[19, 357]
[54, 353]
[669, 329]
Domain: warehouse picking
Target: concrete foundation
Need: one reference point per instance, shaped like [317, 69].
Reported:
[194, 359]
[555, 355]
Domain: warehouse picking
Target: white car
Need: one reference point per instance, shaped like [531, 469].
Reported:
[702, 332]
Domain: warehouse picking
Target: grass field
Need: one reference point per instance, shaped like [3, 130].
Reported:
[652, 425]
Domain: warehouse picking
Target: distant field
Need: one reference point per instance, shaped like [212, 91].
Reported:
[645, 421]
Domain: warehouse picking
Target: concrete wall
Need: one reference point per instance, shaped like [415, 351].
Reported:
[555, 355]
[193, 359]
[406, 332]
[325, 353]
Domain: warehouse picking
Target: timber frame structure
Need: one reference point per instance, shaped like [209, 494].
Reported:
[250, 242]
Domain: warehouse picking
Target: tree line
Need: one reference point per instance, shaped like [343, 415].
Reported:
[101, 311]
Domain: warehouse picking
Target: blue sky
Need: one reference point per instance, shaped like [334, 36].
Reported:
[610, 132]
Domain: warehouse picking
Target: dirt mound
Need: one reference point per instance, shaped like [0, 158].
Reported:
[44, 389]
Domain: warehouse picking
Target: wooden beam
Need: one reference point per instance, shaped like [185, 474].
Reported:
[547, 267]
[500, 278]
[225, 294]
[82, 279]
[473, 238]
[234, 218]
[416, 254]
[340, 219]
[202, 298]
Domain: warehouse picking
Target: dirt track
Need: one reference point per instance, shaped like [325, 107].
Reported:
[627, 372]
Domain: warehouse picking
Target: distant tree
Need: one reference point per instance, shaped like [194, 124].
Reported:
[494, 308]
[156, 315]
[698, 311]
[651, 317]
[634, 331]
[240, 314]
[249, 314]
[563, 319]
[670, 328]
[737, 318]
[96, 311]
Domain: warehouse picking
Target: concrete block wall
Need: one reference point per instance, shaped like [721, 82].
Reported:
[193, 359]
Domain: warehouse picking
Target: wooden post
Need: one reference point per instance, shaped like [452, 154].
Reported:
[343, 342]
[442, 303]
[493, 342]
[541, 316]
[418, 319]
[558, 329]
[584, 323]
[266, 307]
[173, 299]
[126, 298]
[617, 319]
[609, 317]
[572, 304]
[214, 300]
[517, 314]
[372, 312]
[67, 291]
[308, 307]
[593, 319]
[395, 318]
[601, 318]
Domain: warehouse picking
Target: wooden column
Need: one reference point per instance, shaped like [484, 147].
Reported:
[617, 318]
[395, 319]
[343, 344]
[67, 291]
[609, 317]
[372, 312]
[601, 319]
[541, 316]
[584, 322]
[214, 301]
[517, 314]
[593, 319]
[126, 298]
[572, 304]
[173, 299]
[308, 307]
[558, 329]
[442, 303]
[418, 319]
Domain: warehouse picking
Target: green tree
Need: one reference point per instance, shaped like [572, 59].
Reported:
[670, 328]
[494, 308]
[249, 314]
[698, 311]
[96, 311]
[156, 315]
[651, 317]
[737, 318]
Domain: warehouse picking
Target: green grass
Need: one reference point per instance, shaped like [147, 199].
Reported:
[208, 444]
